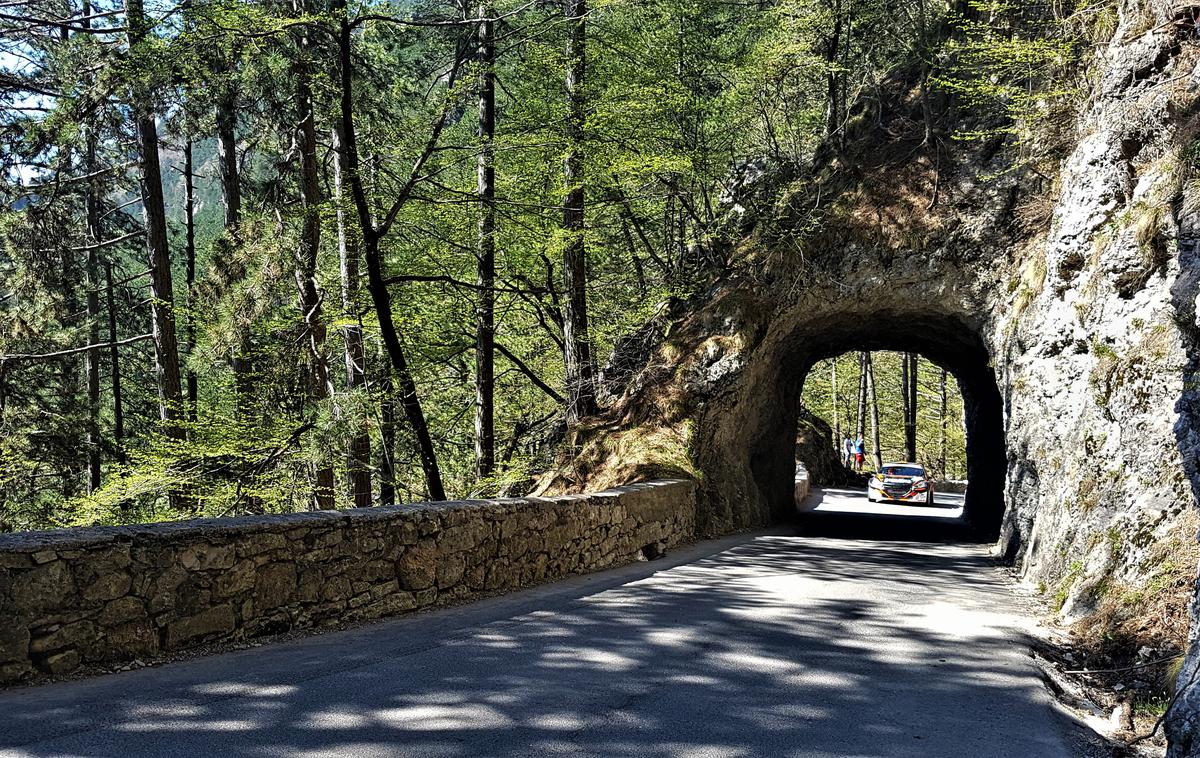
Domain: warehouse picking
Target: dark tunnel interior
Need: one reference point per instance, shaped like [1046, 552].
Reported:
[946, 341]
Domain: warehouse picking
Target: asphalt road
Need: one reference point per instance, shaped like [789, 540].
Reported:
[946, 506]
[769, 644]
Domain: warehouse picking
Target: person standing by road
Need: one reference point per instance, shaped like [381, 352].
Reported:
[859, 454]
[847, 451]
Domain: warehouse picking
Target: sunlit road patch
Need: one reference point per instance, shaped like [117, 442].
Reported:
[947, 506]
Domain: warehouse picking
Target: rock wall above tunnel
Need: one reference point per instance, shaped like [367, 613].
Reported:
[720, 396]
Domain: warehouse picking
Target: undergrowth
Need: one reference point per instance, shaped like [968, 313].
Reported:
[1140, 632]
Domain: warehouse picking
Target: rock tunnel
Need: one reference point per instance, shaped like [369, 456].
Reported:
[950, 344]
[755, 426]
[723, 386]
[1073, 346]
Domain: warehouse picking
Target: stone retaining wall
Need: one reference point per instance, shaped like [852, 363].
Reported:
[70, 598]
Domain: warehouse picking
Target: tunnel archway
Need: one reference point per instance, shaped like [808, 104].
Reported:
[953, 345]
[884, 435]
[911, 411]
[759, 424]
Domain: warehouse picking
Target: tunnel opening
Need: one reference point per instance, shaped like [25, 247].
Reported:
[881, 436]
[944, 341]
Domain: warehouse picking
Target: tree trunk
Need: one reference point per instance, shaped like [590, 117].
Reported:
[227, 160]
[876, 450]
[681, 236]
[409, 399]
[360, 440]
[387, 435]
[231, 200]
[581, 393]
[92, 358]
[833, 109]
[861, 421]
[910, 406]
[68, 375]
[190, 228]
[519, 431]
[626, 211]
[837, 411]
[380, 296]
[638, 270]
[319, 387]
[844, 80]
[926, 107]
[923, 41]
[162, 311]
[4, 524]
[904, 400]
[485, 321]
[114, 363]
[942, 432]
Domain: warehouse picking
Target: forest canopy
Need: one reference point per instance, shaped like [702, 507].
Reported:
[263, 256]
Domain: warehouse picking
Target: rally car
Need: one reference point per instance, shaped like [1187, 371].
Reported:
[900, 483]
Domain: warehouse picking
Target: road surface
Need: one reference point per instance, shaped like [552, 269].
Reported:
[769, 644]
[947, 506]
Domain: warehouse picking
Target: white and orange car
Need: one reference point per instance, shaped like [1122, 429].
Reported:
[900, 483]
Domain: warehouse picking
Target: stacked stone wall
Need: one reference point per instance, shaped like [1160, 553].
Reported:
[98, 596]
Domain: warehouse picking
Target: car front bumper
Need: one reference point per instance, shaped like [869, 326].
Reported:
[908, 497]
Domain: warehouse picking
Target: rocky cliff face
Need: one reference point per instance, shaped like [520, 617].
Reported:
[814, 451]
[1096, 351]
[1066, 307]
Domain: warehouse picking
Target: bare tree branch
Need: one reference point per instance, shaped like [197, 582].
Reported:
[73, 351]
[524, 369]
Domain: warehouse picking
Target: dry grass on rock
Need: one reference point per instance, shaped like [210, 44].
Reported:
[1135, 639]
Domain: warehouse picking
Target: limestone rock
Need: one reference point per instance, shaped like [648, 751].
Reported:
[62, 636]
[14, 643]
[61, 663]
[417, 567]
[46, 586]
[107, 585]
[211, 622]
[134, 639]
[120, 611]
[239, 578]
[450, 571]
[275, 586]
[200, 557]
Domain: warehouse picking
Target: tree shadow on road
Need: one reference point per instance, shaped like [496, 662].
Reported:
[776, 646]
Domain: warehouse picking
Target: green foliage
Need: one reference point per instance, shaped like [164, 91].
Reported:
[1153, 706]
[1063, 592]
[684, 100]
[842, 414]
[223, 468]
[1014, 65]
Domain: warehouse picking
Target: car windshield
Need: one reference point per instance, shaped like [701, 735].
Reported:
[903, 471]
